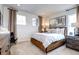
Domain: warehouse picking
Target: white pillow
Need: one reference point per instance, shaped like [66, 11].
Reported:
[57, 30]
[52, 31]
[60, 30]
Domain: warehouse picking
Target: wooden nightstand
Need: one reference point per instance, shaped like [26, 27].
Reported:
[72, 42]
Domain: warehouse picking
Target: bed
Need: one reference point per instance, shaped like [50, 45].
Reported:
[48, 41]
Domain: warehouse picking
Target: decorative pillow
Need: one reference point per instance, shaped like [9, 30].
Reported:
[60, 30]
[52, 31]
[57, 30]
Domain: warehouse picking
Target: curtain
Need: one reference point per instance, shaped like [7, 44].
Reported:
[0, 18]
[78, 16]
[40, 24]
[12, 21]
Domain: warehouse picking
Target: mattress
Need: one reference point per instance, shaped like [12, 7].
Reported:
[48, 38]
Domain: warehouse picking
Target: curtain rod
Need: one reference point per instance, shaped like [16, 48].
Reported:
[71, 8]
[12, 9]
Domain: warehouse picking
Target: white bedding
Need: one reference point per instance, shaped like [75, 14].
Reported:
[48, 38]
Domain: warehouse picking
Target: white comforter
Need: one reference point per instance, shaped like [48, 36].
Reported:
[48, 38]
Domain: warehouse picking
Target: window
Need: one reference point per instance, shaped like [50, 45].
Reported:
[71, 20]
[34, 21]
[71, 24]
[21, 20]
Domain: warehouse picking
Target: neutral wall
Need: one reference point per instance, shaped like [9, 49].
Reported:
[5, 16]
[24, 32]
[63, 13]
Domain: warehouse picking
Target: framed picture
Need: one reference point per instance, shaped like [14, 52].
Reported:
[62, 20]
[57, 22]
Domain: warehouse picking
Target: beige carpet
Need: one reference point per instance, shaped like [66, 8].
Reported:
[26, 48]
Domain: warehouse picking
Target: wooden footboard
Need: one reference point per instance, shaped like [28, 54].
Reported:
[55, 45]
[52, 46]
[38, 44]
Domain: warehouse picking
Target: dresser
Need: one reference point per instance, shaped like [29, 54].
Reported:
[72, 42]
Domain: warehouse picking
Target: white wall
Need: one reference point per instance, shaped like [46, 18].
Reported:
[5, 16]
[24, 32]
[63, 13]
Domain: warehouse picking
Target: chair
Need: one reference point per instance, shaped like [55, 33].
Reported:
[12, 38]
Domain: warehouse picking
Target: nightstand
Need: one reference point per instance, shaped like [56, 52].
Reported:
[72, 42]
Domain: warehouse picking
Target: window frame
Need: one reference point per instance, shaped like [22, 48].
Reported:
[19, 21]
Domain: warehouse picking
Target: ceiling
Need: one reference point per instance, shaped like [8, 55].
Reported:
[42, 9]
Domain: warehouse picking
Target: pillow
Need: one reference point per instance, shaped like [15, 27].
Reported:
[60, 30]
[57, 30]
[52, 31]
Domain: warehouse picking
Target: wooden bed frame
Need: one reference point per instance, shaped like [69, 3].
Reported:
[52, 46]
